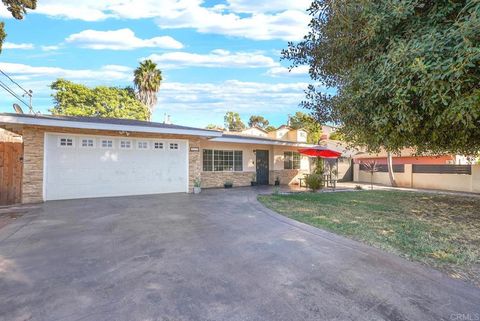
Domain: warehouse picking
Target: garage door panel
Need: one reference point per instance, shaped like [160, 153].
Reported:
[76, 172]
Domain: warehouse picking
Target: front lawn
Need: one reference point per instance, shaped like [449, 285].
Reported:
[440, 230]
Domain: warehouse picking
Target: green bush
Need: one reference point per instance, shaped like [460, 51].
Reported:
[314, 181]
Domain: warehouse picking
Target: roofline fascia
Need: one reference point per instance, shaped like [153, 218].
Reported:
[243, 140]
[4, 119]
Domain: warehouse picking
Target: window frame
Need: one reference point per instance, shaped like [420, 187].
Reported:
[158, 142]
[129, 141]
[177, 146]
[147, 146]
[107, 140]
[215, 156]
[87, 139]
[291, 160]
[59, 142]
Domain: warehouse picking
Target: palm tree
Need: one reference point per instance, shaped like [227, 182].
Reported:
[147, 80]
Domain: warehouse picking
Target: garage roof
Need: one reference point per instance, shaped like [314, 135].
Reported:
[100, 123]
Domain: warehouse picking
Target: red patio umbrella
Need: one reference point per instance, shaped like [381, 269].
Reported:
[320, 151]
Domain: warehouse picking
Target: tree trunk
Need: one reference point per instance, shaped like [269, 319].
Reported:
[391, 175]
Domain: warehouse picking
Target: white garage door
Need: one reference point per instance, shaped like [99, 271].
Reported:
[100, 166]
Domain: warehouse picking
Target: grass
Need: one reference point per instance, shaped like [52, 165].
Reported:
[442, 231]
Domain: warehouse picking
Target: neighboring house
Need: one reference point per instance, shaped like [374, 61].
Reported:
[83, 157]
[327, 131]
[286, 133]
[255, 131]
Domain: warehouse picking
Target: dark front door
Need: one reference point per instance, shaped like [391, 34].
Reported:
[262, 167]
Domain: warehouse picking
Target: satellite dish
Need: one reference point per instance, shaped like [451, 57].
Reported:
[17, 109]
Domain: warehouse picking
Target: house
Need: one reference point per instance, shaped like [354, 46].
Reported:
[254, 131]
[83, 157]
[287, 133]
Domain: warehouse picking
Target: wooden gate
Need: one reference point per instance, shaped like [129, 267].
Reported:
[11, 169]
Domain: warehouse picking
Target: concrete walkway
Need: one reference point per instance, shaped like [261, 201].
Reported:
[219, 255]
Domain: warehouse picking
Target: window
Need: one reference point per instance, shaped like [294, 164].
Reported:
[173, 146]
[158, 145]
[142, 145]
[107, 143]
[87, 143]
[125, 144]
[291, 160]
[65, 142]
[207, 160]
[222, 160]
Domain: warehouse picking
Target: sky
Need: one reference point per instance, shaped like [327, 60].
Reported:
[215, 56]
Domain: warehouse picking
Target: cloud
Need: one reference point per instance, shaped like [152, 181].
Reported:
[218, 58]
[280, 71]
[50, 48]
[27, 72]
[121, 39]
[22, 46]
[218, 98]
[259, 20]
[255, 6]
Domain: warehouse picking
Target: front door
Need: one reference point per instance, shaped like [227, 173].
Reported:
[262, 167]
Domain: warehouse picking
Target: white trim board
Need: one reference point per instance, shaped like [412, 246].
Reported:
[256, 141]
[8, 119]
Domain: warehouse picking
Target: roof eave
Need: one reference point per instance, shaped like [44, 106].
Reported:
[8, 120]
[246, 140]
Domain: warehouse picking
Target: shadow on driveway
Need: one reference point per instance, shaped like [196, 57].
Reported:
[219, 255]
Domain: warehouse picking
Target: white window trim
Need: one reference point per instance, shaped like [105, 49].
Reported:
[107, 139]
[80, 144]
[143, 141]
[59, 139]
[158, 142]
[173, 149]
[224, 150]
[125, 140]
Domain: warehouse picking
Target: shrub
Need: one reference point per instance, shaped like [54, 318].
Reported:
[314, 181]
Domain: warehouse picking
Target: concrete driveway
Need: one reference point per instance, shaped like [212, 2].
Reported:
[219, 255]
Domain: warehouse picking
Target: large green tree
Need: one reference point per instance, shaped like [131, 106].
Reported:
[73, 99]
[307, 122]
[147, 81]
[233, 121]
[18, 8]
[258, 121]
[406, 73]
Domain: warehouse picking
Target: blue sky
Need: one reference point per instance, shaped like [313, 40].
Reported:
[215, 56]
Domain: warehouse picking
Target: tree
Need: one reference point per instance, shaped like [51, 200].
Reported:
[73, 99]
[307, 122]
[336, 135]
[258, 121]
[147, 80]
[214, 127]
[405, 72]
[270, 128]
[233, 121]
[18, 8]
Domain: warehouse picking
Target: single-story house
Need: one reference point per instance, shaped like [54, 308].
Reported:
[82, 157]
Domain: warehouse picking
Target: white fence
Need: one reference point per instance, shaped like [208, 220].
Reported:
[414, 177]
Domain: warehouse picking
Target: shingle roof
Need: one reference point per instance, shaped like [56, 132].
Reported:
[105, 120]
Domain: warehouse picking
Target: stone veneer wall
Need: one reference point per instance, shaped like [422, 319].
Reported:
[32, 182]
[217, 179]
[7, 136]
[33, 138]
[287, 176]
